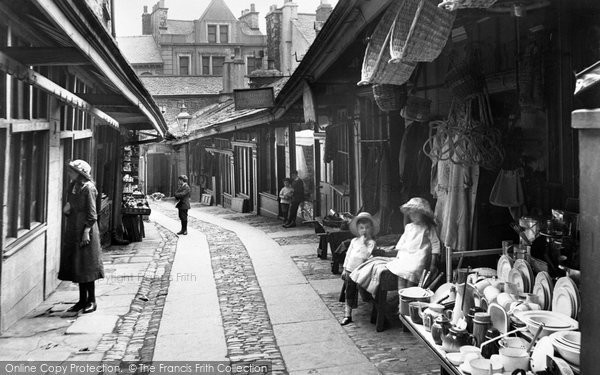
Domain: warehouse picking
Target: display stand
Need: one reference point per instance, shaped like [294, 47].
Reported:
[134, 204]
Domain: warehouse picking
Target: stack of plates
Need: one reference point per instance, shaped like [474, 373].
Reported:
[568, 345]
[566, 299]
[505, 264]
[522, 276]
[542, 288]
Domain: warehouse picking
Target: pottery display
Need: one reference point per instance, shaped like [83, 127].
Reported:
[430, 314]
[481, 366]
[416, 311]
[440, 327]
[455, 339]
[481, 323]
[553, 321]
[514, 359]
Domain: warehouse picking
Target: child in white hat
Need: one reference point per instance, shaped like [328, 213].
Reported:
[365, 228]
[419, 246]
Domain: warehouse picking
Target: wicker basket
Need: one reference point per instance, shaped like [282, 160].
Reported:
[416, 109]
[376, 68]
[461, 4]
[420, 31]
[389, 97]
[464, 82]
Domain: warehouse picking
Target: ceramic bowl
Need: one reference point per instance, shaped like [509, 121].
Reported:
[465, 349]
[504, 300]
[455, 358]
[481, 366]
[559, 321]
[514, 342]
[491, 293]
[568, 353]
[514, 359]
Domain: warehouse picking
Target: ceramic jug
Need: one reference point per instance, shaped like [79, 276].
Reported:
[455, 338]
[440, 327]
[430, 314]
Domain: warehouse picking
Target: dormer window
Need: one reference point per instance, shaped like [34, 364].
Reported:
[223, 34]
[212, 33]
[217, 33]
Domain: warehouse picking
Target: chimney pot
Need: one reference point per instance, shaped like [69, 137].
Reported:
[252, 8]
[145, 8]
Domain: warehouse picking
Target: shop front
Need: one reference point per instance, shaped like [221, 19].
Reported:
[67, 93]
[469, 108]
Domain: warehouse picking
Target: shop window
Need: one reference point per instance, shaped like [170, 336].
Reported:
[26, 205]
[205, 65]
[212, 33]
[223, 34]
[217, 65]
[341, 161]
[184, 65]
[243, 161]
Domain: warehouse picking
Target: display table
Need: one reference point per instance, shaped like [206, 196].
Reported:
[419, 332]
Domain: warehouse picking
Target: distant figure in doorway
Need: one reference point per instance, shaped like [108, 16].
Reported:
[183, 202]
[297, 198]
[285, 198]
[81, 253]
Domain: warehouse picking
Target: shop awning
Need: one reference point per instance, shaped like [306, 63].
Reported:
[73, 36]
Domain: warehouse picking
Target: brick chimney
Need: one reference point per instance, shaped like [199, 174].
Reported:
[250, 17]
[146, 22]
[234, 72]
[323, 11]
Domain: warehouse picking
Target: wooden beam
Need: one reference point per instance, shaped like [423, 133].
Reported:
[21, 126]
[57, 56]
[131, 119]
[26, 74]
[105, 99]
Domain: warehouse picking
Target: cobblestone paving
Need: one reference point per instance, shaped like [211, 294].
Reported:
[248, 331]
[135, 334]
[314, 270]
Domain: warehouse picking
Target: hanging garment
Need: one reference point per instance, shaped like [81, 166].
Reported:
[414, 165]
[508, 191]
[456, 193]
[331, 144]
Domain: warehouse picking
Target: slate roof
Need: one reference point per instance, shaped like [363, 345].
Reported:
[180, 27]
[306, 25]
[217, 10]
[246, 30]
[223, 112]
[140, 49]
[183, 85]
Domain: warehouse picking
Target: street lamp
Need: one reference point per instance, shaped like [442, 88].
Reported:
[183, 118]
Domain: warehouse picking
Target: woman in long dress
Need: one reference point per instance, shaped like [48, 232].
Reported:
[81, 253]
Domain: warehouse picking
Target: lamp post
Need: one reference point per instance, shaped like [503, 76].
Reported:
[183, 118]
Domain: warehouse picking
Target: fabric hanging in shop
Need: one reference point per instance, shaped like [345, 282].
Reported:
[370, 182]
[455, 188]
[414, 164]
[508, 191]
[331, 143]
[384, 212]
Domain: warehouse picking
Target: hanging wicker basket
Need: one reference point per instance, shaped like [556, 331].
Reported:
[389, 97]
[462, 4]
[376, 67]
[420, 32]
[464, 82]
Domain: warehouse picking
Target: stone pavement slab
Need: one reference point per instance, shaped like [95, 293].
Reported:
[307, 332]
[316, 355]
[93, 323]
[191, 325]
[353, 369]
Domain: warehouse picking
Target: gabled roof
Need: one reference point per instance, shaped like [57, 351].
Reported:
[140, 49]
[246, 30]
[183, 85]
[217, 10]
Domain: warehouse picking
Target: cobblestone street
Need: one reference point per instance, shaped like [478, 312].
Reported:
[275, 300]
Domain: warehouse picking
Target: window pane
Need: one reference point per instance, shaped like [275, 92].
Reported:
[184, 65]
[212, 33]
[205, 65]
[224, 34]
[218, 62]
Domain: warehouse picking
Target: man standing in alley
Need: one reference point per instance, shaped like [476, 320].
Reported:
[297, 198]
[183, 202]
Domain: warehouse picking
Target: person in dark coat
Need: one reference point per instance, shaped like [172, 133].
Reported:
[81, 253]
[183, 202]
[297, 198]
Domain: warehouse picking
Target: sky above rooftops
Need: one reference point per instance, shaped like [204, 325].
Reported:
[128, 13]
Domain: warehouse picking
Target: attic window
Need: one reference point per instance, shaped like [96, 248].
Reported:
[184, 65]
[223, 34]
[212, 33]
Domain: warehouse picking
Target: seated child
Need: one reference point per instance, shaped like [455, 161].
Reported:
[364, 229]
[419, 246]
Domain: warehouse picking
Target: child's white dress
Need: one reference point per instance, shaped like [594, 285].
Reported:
[414, 252]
